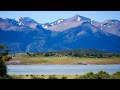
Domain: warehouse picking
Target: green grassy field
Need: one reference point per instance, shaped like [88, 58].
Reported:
[24, 59]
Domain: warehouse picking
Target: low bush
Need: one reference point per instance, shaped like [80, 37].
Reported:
[63, 77]
[115, 75]
[52, 77]
[102, 75]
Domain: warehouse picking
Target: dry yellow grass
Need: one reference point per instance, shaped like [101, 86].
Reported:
[64, 60]
[43, 76]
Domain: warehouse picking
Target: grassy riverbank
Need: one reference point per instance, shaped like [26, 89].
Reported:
[24, 59]
[90, 75]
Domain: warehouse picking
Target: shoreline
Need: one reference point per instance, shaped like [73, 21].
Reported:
[66, 64]
[22, 60]
[68, 76]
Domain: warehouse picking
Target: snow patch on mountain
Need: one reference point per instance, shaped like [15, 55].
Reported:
[91, 22]
[47, 25]
[52, 24]
[44, 26]
[59, 21]
[78, 19]
[19, 22]
[17, 19]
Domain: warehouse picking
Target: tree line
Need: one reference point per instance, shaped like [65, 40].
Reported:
[89, 53]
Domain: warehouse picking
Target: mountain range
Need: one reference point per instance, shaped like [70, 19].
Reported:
[26, 35]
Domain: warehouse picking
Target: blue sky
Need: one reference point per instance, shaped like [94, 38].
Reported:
[50, 16]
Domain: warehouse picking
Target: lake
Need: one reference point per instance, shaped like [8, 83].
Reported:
[60, 69]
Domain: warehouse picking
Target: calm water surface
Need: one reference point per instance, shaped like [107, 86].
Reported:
[60, 69]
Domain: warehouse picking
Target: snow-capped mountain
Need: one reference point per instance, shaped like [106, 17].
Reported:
[57, 22]
[25, 20]
[111, 26]
[19, 24]
[64, 24]
[74, 32]
[46, 25]
[107, 26]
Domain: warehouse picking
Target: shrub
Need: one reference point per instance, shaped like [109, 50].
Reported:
[89, 75]
[115, 75]
[6, 77]
[42, 75]
[63, 77]
[0, 77]
[34, 77]
[6, 58]
[41, 78]
[103, 75]
[3, 69]
[3, 57]
[52, 77]
[31, 75]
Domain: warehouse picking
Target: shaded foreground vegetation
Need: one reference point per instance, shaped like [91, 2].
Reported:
[3, 58]
[90, 75]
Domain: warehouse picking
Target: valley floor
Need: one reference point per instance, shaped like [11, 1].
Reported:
[24, 59]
